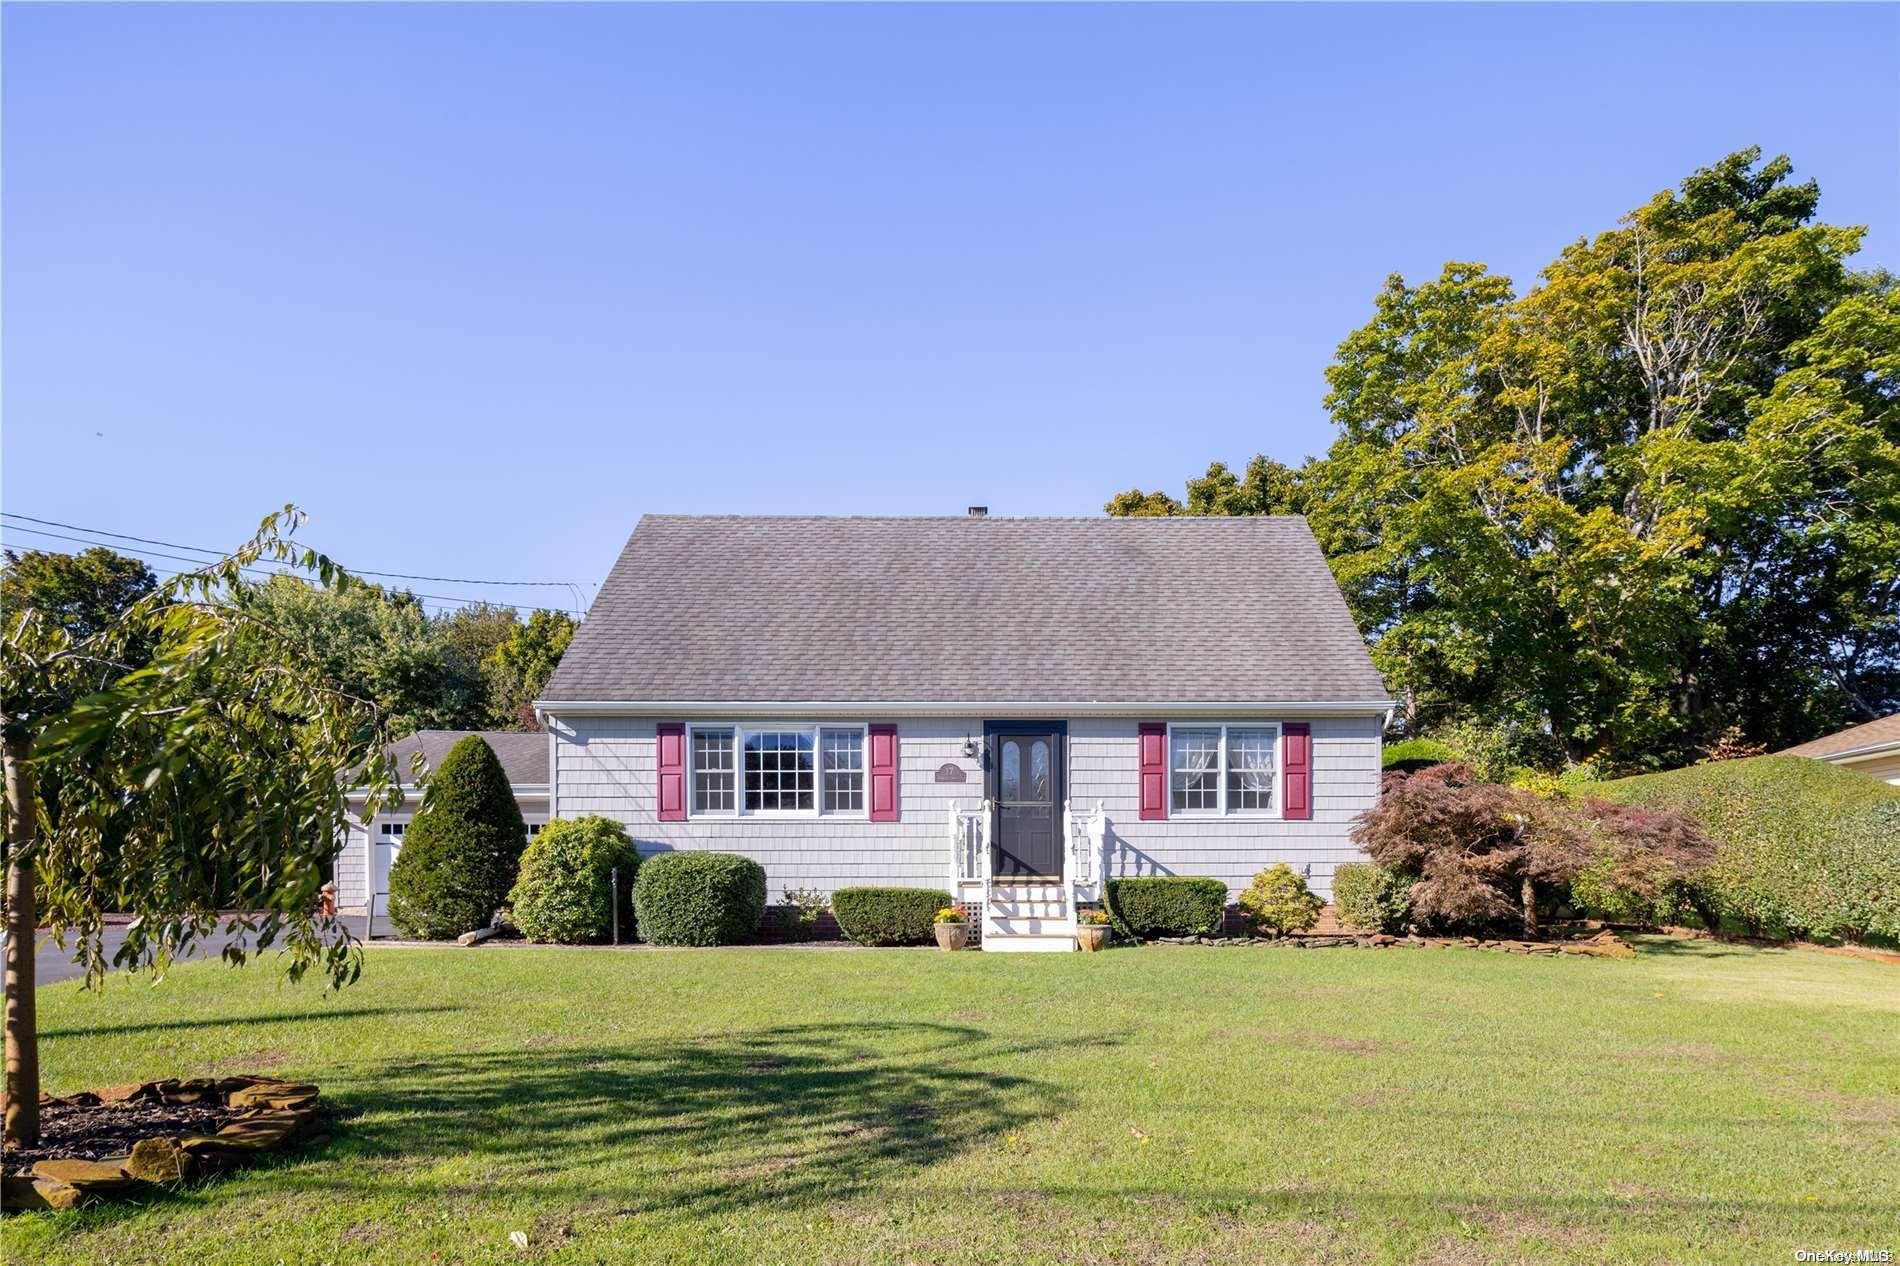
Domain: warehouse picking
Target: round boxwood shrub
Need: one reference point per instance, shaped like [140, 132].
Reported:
[460, 854]
[691, 898]
[1148, 906]
[1278, 901]
[1371, 898]
[888, 916]
[565, 890]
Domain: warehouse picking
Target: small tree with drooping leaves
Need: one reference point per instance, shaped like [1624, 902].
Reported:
[213, 767]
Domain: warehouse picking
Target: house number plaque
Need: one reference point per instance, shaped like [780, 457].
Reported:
[951, 773]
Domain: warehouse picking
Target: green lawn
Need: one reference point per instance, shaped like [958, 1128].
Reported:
[1701, 1103]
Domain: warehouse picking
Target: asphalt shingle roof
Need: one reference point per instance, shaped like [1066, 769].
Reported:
[947, 610]
[1872, 734]
[524, 757]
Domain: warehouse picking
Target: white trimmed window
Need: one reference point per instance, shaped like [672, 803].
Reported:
[713, 778]
[778, 770]
[1223, 770]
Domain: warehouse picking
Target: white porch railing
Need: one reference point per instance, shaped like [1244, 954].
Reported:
[970, 847]
[1085, 847]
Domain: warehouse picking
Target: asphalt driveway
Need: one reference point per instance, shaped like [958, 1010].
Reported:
[55, 964]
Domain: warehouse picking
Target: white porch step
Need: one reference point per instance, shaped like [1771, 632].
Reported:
[1028, 918]
[1024, 943]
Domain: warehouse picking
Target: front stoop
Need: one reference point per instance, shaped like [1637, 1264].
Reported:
[1028, 919]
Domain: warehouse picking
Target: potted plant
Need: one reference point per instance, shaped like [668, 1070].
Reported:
[1091, 927]
[953, 929]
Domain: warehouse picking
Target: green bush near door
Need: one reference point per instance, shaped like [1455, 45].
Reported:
[1148, 906]
[889, 916]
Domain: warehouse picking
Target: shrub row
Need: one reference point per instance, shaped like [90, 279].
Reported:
[1148, 906]
[888, 916]
[1802, 848]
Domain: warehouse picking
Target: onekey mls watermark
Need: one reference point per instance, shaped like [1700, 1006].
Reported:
[1881, 1255]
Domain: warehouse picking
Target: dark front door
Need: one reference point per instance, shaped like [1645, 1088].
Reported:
[1026, 783]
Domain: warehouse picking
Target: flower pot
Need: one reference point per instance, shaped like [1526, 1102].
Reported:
[1092, 936]
[953, 936]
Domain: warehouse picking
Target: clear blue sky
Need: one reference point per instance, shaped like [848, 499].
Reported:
[478, 286]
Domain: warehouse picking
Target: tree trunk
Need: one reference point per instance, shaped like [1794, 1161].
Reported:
[1527, 893]
[22, 1106]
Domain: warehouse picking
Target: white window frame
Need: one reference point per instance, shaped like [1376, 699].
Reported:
[739, 730]
[1273, 813]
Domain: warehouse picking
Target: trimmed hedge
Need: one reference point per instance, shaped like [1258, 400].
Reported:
[460, 854]
[1413, 755]
[889, 916]
[691, 898]
[1803, 848]
[1148, 906]
[1371, 898]
[565, 890]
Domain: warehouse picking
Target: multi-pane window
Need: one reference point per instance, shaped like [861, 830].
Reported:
[1196, 769]
[735, 770]
[778, 770]
[842, 752]
[1223, 769]
[1250, 769]
[713, 771]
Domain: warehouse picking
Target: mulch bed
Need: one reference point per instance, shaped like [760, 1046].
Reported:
[100, 1144]
[71, 1131]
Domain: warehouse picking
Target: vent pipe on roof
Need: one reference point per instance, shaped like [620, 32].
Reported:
[979, 512]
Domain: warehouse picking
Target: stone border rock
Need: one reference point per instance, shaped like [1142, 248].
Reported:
[273, 1114]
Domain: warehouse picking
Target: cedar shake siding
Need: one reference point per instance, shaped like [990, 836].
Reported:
[608, 765]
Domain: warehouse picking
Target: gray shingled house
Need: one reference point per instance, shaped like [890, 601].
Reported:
[1009, 708]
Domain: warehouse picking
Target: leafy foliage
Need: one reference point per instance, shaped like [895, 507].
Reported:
[1278, 902]
[519, 667]
[462, 851]
[1654, 496]
[693, 898]
[1803, 848]
[1147, 906]
[200, 757]
[83, 594]
[800, 911]
[1411, 755]
[888, 916]
[1480, 851]
[1372, 898]
[564, 891]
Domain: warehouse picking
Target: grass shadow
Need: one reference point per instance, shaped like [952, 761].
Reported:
[803, 1114]
[241, 1021]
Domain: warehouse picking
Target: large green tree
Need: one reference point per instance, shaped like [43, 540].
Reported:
[1656, 495]
[520, 666]
[217, 764]
[81, 593]
[382, 646]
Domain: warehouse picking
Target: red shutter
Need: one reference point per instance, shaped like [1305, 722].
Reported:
[1296, 762]
[1154, 770]
[883, 772]
[672, 760]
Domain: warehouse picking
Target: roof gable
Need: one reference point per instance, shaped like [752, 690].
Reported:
[523, 754]
[979, 610]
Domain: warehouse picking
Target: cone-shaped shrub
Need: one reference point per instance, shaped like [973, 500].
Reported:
[565, 892]
[460, 854]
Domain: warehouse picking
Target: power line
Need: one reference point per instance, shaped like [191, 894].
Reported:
[454, 600]
[360, 571]
[572, 588]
